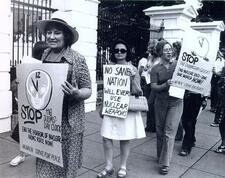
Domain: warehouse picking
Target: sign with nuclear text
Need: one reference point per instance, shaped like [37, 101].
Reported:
[116, 90]
[196, 60]
[40, 101]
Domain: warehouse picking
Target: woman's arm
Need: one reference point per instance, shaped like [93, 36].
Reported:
[83, 94]
[161, 87]
[80, 88]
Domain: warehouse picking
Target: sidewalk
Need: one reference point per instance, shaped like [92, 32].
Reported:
[203, 162]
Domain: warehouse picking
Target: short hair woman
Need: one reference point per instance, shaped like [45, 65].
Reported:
[168, 109]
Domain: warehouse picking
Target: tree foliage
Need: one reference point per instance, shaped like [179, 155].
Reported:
[126, 19]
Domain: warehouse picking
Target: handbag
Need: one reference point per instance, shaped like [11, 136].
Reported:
[138, 103]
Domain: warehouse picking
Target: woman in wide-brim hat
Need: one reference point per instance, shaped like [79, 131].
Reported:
[60, 19]
[59, 37]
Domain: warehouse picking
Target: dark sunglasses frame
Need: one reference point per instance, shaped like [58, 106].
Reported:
[122, 51]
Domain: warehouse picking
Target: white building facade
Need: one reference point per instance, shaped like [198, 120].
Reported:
[5, 56]
[83, 14]
[177, 19]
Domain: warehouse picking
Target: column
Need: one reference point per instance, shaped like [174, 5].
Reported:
[5, 55]
[176, 18]
[83, 15]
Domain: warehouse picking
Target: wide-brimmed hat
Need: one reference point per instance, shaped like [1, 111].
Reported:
[60, 18]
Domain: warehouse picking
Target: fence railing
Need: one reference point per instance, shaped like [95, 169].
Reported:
[109, 30]
[25, 14]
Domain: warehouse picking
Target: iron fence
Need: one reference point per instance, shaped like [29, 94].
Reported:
[25, 14]
[137, 36]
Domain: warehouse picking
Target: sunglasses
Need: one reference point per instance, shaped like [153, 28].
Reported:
[122, 51]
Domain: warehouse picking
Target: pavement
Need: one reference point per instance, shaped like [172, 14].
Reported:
[203, 162]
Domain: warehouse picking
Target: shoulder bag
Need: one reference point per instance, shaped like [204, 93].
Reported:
[138, 103]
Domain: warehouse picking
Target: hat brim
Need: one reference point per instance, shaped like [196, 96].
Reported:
[41, 25]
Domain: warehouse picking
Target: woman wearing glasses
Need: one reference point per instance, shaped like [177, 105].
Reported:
[124, 130]
[168, 109]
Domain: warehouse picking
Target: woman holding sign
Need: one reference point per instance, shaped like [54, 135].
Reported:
[168, 109]
[122, 129]
[60, 36]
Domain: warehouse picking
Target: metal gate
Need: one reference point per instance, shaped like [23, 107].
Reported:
[25, 14]
[126, 21]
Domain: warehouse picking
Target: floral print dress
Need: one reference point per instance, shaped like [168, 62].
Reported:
[72, 121]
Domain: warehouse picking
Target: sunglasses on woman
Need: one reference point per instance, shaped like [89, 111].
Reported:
[122, 51]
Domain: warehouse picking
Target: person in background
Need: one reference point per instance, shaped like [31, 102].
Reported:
[176, 52]
[168, 109]
[192, 104]
[133, 56]
[37, 51]
[213, 92]
[126, 129]
[155, 59]
[214, 95]
[214, 87]
[176, 49]
[144, 67]
[220, 111]
[77, 88]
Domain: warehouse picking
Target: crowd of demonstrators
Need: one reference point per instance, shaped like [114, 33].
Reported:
[126, 129]
[168, 109]
[37, 51]
[60, 36]
[168, 116]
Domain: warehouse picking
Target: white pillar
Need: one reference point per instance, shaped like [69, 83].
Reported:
[211, 28]
[5, 55]
[83, 15]
[176, 19]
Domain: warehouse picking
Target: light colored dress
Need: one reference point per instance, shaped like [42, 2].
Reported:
[132, 126]
[129, 128]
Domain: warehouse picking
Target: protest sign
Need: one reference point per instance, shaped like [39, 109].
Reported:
[196, 60]
[40, 100]
[116, 90]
